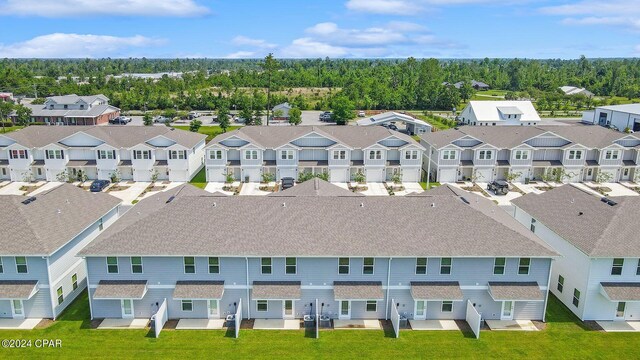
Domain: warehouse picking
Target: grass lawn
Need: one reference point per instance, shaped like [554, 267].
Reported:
[200, 180]
[432, 184]
[565, 338]
[210, 131]
[10, 129]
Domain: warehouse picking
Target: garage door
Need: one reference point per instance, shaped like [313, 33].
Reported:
[104, 174]
[375, 175]
[179, 175]
[253, 174]
[447, 175]
[287, 172]
[484, 174]
[339, 175]
[411, 175]
[216, 175]
[141, 175]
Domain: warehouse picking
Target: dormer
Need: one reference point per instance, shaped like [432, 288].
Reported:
[510, 113]
[81, 139]
[313, 139]
[161, 141]
[547, 140]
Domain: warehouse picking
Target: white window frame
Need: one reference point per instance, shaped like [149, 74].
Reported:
[375, 154]
[263, 266]
[485, 154]
[575, 300]
[2, 266]
[116, 264]
[215, 264]
[371, 266]
[287, 266]
[411, 155]
[444, 266]
[177, 154]
[560, 284]
[528, 266]
[106, 155]
[184, 264]
[615, 266]
[185, 302]
[132, 265]
[448, 154]
[339, 154]
[251, 154]
[26, 264]
[287, 154]
[348, 265]
[54, 154]
[496, 265]
[521, 155]
[60, 295]
[74, 281]
[446, 303]
[574, 155]
[371, 302]
[611, 154]
[215, 155]
[19, 154]
[426, 266]
[266, 305]
[141, 154]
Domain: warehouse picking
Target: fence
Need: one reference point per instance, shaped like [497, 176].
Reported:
[238, 318]
[395, 318]
[160, 317]
[317, 318]
[473, 319]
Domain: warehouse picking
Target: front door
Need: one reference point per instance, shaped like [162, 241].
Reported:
[17, 309]
[620, 310]
[507, 310]
[626, 174]
[214, 310]
[288, 309]
[345, 310]
[420, 312]
[127, 308]
[589, 176]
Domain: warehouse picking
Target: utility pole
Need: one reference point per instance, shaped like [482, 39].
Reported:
[35, 90]
[270, 64]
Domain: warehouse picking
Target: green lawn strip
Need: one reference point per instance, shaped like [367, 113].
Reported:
[10, 129]
[564, 337]
[200, 180]
[431, 185]
[210, 131]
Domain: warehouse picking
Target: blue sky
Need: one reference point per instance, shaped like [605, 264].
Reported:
[320, 28]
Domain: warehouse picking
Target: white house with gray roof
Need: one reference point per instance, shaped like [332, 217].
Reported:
[281, 253]
[498, 113]
[137, 153]
[571, 153]
[598, 275]
[73, 110]
[341, 151]
[40, 274]
[621, 117]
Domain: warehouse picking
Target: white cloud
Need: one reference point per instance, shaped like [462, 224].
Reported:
[309, 48]
[73, 8]
[374, 36]
[389, 7]
[61, 45]
[622, 13]
[241, 55]
[246, 41]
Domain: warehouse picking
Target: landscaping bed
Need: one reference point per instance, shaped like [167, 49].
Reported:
[601, 189]
[476, 188]
[28, 189]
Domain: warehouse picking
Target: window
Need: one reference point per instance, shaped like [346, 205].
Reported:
[177, 154]
[2, 267]
[367, 266]
[142, 154]
[372, 306]
[136, 265]
[291, 265]
[18, 154]
[576, 297]
[215, 154]
[445, 266]
[106, 154]
[575, 154]
[560, 286]
[448, 154]
[262, 305]
[21, 265]
[485, 155]
[521, 155]
[214, 265]
[60, 295]
[611, 154]
[498, 266]
[54, 154]
[523, 267]
[637, 267]
[616, 267]
[375, 154]
[411, 155]
[112, 265]
[447, 306]
[286, 154]
[533, 225]
[189, 265]
[339, 154]
[74, 281]
[251, 154]
[100, 224]
[343, 265]
[187, 305]
[266, 265]
[421, 266]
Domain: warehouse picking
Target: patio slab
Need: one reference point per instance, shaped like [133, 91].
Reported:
[410, 188]
[19, 324]
[200, 324]
[434, 325]
[342, 185]
[45, 187]
[357, 324]
[13, 188]
[123, 324]
[276, 324]
[620, 326]
[376, 189]
[511, 325]
[252, 188]
[214, 187]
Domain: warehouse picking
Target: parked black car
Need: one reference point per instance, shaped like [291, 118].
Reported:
[287, 182]
[99, 185]
[499, 187]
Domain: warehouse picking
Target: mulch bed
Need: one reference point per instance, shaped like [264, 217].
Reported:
[601, 189]
[117, 188]
[29, 189]
[44, 323]
[592, 325]
[539, 324]
[544, 188]
[95, 323]
[170, 324]
[476, 188]
[247, 324]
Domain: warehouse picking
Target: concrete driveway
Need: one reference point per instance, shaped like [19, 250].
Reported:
[410, 188]
[253, 189]
[46, 187]
[376, 189]
[214, 187]
[13, 188]
[132, 193]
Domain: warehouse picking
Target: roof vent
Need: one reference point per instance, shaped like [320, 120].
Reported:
[29, 200]
[284, 204]
[580, 213]
[361, 204]
[214, 204]
[464, 200]
[59, 211]
[433, 205]
[608, 201]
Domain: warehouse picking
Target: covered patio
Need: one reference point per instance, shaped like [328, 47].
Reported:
[207, 291]
[276, 301]
[367, 294]
[508, 293]
[442, 292]
[17, 292]
[626, 299]
[126, 291]
[546, 170]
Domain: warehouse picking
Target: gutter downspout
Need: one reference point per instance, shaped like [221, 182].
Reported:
[386, 313]
[546, 296]
[248, 300]
[428, 167]
[86, 270]
[51, 287]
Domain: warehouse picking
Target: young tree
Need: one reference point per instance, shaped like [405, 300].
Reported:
[147, 119]
[223, 118]
[247, 115]
[23, 115]
[5, 109]
[295, 116]
[343, 110]
[195, 125]
[270, 65]
[466, 91]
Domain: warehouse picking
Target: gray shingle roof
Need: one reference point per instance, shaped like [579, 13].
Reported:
[436, 290]
[192, 290]
[358, 290]
[116, 136]
[276, 290]
[318, 226]
[52, 220]
[17, 289]
[120, 289]
[582, 219]
[622, 291]
[315, 187]
[515, 291]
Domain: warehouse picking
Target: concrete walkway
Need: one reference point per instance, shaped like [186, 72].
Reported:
[421, 325]
[276, 324]
[214, 187]
[19, 324]
[200, 324]
[511, 325]
[132, 193]
[253, 188]
[356, 324]
[376, 189]
[46, 187]
[123, 324]
[410, 188]
[14, 187]
[620, 326]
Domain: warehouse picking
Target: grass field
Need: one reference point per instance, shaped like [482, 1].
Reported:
[10, 129]
[564, 338]
[210, 131]
[200, 180]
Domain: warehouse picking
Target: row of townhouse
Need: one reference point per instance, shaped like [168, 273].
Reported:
[598, 275]
[570, 153]
[277, 255]
[139, 153]
[40, 274]
[341, 151]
